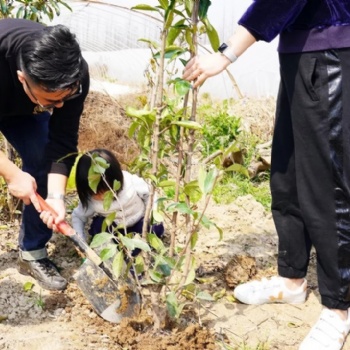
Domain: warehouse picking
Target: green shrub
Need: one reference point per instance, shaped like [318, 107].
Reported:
[220, 128]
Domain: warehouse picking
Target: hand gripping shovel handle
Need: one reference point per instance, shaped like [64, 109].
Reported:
[68, 231]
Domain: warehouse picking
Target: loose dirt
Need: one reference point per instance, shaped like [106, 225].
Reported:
[35, 319]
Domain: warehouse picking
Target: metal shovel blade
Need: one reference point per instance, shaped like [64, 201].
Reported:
[111, 301]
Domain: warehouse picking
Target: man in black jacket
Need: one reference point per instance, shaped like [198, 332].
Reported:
[44, 82]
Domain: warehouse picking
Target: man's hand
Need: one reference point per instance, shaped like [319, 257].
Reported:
[50, 220]
[23, 186]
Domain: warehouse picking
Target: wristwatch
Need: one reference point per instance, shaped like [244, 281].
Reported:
[227, 52]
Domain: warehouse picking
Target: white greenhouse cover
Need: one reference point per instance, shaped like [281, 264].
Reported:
[108, 33]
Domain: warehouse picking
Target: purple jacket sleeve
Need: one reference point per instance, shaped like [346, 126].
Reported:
[265, 19]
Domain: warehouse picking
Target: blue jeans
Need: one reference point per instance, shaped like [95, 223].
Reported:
[28, 135]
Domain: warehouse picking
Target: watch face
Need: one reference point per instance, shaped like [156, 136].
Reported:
[222, 47]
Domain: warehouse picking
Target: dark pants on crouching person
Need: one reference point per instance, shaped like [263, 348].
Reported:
[310, 170]
[96, 227]
[28, 135]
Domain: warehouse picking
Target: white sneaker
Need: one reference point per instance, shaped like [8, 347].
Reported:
[271, 290]
[328, 333]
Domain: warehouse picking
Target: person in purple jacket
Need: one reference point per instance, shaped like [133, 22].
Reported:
[310, 169]
[44, 82]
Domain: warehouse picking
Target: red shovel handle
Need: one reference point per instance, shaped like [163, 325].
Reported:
[63, 226]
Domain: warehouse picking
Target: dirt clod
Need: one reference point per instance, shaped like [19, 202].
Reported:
[239, 269]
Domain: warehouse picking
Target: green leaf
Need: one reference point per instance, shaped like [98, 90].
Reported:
[205, 296]
[189, 124]
[174, 32]
[140, 243]
[151, 43]
[168, 18]
[220, 294]
[156, 276]
[171, 52]
[232, 148]
[170, 261]
[172, 35]
[94, 179]
[190, 277]
[193, 191]
[127, 242]
[206, 222]
[189, 40]
[118, 264]
[212, 35]
[139, 264]
[238, 168]
[231, 298]
[108, 252]
[28, 286]
[210, 180]
[144, 7]
[172, 304]
[167, 183]
[132, 129]
[116, 185]
[203, 8]
[146, 116]
[184, 62]
[164, 265]
[165, 269]
[156, 243]
[4, 8]
[108, 198]
[206, 179]
[99, 164]
[180, 207]
[221, 232]
[194, 239]
[208, 280]
[110, 218]
[164, 4]
[157, 216]
[100, 239]
[66, 5]
[182, 87]
[20, 12]
[189, 7]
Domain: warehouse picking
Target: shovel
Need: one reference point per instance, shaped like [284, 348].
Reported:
[110, 300]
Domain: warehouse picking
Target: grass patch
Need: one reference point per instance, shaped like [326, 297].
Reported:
[233, 185]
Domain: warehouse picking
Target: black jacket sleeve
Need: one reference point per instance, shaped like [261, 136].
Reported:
[61, 149]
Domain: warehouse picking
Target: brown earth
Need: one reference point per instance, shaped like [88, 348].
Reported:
[36, 319]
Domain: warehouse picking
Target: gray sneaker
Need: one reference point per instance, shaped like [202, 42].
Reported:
[44, 271]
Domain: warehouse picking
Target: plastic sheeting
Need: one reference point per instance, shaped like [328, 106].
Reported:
[109, 34]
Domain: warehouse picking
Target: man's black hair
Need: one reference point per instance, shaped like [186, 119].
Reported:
[113, 172]
[52, 59]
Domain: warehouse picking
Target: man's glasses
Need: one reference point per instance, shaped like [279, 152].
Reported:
[76, 94]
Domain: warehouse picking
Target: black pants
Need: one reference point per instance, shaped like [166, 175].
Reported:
[310, 171]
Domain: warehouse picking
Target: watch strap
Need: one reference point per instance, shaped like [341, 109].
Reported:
[227, 52]
[55, 196]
